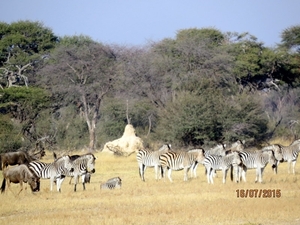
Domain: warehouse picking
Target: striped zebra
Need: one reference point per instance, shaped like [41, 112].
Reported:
[180, 161]
[112, 183]
[82, 166]
[216, 162]
[52, 171]
[290, 154]
[278, 153]
[220, 149]
[258, 161]
[147, 158]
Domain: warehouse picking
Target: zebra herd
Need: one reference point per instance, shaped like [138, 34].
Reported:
[236, 158]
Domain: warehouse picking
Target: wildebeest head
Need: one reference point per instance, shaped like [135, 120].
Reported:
[34, 183]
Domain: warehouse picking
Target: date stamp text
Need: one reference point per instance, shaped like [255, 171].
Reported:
[258, 193]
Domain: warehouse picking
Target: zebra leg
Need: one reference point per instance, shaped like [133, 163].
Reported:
[156, 172]
[51, 183]
[224, 175]
[161, 172]
[294, 164]
[185, 176]
[142, 169]
[261, 174]
[169, 174]
[210, 175]
[207, 170]
[83, 182]
[243, 172]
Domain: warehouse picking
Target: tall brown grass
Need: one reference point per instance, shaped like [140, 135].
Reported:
[154, 202]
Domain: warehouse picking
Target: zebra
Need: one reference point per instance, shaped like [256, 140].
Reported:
[82, 165]
[180, 161]
[256, 160]
[217, 162]
[290, 154]
[278, 153]
[112, 183]
[147, 158]
[217, 150]
[52, 171]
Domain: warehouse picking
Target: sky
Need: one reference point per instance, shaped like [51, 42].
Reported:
[137, 22]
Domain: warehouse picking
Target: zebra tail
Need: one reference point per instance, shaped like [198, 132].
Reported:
[3, 185]
[231, 173]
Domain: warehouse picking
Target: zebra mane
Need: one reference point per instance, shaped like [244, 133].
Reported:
[62, 158]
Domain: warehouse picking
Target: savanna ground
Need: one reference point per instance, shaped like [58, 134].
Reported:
[154, 202]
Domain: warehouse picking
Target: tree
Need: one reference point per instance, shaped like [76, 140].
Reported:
[290, 38]
[81, 72]
[23, 45]
[24, 106]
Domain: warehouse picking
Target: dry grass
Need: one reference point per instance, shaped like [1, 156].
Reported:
[154, 202]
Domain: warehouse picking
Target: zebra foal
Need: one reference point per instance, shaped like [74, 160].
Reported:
[147, 158]
[180, 161]
[112, 183]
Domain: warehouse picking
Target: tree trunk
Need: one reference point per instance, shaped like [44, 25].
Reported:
[92, 122]
[92, 144]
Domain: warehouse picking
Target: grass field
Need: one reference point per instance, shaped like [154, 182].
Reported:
[154, 202]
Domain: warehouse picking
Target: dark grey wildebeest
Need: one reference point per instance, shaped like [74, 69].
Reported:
[20, 174]
[14, 158]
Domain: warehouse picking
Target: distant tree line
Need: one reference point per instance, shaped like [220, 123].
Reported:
[202, 87]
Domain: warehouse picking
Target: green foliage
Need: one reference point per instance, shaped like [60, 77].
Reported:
[25, 41]
[290, 38]
[10, 138]
[210, 36]
[31, 99]
[68, 128]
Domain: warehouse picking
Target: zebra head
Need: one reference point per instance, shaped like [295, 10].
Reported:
[272, 159]
[236, 158]
[90, 162]
[200, 155]
[277, 151]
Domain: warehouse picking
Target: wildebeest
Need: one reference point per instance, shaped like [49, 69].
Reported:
[14, 158]
[20, 174]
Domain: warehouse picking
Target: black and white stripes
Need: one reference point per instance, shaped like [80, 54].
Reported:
[147, 158]
[53, 171]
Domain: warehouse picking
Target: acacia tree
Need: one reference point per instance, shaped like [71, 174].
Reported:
[81, 73]
[23, 45]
